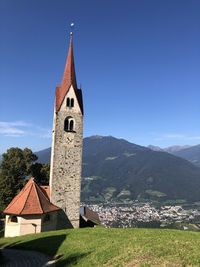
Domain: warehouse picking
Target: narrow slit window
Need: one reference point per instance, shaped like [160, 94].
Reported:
[72, 103]
[68, 102]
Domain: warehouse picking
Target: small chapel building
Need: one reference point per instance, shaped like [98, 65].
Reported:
[30, 211]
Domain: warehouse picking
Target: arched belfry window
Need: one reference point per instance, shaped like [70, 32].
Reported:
[70, 102]
[69, 124]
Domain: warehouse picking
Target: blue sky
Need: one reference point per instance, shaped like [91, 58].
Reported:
[138, 63]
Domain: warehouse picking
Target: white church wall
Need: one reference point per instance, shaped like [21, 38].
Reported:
[30, 224]
[12, 228]
[70, 94]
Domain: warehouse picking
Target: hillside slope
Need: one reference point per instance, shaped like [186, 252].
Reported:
[117, 170]
[114, 169]
[192, 154]
[44, 155]
[114, 247]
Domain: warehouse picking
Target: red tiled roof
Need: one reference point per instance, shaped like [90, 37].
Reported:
[69, 78]
[46, 190]
[30, 200]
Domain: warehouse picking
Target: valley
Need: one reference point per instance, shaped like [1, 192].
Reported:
[150, 215]
[115, 170]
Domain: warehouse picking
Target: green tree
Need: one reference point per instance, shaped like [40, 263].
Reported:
[15, 167]
[41, 173]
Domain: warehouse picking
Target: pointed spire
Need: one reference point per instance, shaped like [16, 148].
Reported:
[69, 77]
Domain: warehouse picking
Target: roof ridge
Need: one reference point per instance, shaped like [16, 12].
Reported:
[35, 187]
[19, 195]
[40, 190]
[33, 201]
[42, 187]
[31, 185]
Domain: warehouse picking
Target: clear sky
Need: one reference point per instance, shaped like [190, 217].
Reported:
[138, 62]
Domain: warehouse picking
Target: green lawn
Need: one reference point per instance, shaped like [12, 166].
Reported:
[115, 247]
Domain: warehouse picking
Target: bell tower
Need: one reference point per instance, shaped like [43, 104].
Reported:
[67, 142]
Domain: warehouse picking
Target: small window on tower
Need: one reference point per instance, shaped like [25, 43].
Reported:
[68, 102]
[69, 125]
[72, 103]
[66, 125]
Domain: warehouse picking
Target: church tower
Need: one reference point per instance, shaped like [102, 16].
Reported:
[67, 140]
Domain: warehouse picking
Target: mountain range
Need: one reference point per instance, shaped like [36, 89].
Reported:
[191, 153]
[117, 170]
[169, 149]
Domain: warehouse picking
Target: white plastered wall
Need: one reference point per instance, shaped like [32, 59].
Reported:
[71, 94]
[28, 224]
[12, 228]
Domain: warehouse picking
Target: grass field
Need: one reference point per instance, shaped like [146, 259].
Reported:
[114, 247]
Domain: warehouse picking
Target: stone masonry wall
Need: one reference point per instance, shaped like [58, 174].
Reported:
[66, 161]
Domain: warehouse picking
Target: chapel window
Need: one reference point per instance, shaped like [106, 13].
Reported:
[13, 219]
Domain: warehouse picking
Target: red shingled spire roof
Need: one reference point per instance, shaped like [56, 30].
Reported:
[30, 200]
[69, 78]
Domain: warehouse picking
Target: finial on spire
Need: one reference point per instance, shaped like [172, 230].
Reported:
[72, 26]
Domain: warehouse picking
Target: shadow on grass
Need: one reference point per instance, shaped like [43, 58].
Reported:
[72, 259]
[48, 245]
[2, 259]
[1, 233]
